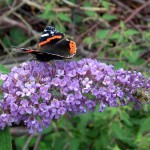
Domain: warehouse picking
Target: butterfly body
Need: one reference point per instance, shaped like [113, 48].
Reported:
[52, 46]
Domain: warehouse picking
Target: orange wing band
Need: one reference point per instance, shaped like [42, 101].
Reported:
[72, 47]
[49, 39]
[29, 51]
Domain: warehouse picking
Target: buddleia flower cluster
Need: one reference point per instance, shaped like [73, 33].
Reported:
[36, 92]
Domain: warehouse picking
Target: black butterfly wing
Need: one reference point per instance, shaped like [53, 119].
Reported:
[63, 48]
[45, 57]
[50, 36]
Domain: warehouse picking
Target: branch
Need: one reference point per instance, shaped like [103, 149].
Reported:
[118, 26]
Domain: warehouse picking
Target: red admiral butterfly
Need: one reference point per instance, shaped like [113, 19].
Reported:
[52, 46]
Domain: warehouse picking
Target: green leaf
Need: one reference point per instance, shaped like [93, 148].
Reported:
[43, 146]
[132, 56]
[109, 17]
[122, 25]
[63, 17]
[140, 61]
[113, 112]
[3, 70]
[90, 13]
[19, 142]
[116, 148]
[88, 40]
[5, 139]
[59, 143]
[74, 144]
[84, 120]
[116, 130]
[105, 4]
[48, 13]
[1, 82]
[87, 4]
[119, 65]
[17, 36]
[125, 117]
[102, 34]
[6, 41]
[48, 7]
[145, 125]
[130, 32]
[115, 35]
[101, 141]
[78, 19]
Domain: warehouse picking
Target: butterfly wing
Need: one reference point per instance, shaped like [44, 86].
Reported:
[63, 48]
[50, 36]
[45, 57]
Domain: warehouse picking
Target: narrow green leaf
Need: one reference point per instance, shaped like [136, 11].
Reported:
[109, 17]
[130, 32]
[5, 139]
[102, 34]
[125, 117]
[91, 13]
[105, 4]
[64, 17]
[132, 56]
[3, 70]
[117, 131]
[115, 35]
[122, 25]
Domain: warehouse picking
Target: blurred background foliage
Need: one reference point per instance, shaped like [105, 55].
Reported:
[115, 32]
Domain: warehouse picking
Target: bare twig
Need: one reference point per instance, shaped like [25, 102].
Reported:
[99, 9]
[28, 26]
[35, 37]
[65, 9]
[8, 52]
[86, 32]
[37, 142]
[122, 5]
[13, 9]
[27, 142]
[40, 7]
[19, 131]
[5, 19]
[118, 26]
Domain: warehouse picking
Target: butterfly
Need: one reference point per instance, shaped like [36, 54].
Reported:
[52, 46]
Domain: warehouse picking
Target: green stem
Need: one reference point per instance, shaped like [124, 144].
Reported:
[5, 139]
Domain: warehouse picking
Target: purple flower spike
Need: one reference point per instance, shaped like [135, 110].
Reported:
[37, 92]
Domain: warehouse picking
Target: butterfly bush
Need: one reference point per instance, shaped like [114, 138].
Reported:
[36, 92]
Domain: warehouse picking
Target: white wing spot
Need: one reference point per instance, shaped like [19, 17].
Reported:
[52, 32]
[43, 35]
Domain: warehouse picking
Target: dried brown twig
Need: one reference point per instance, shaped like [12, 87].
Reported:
[118, 26]
[98, 9]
